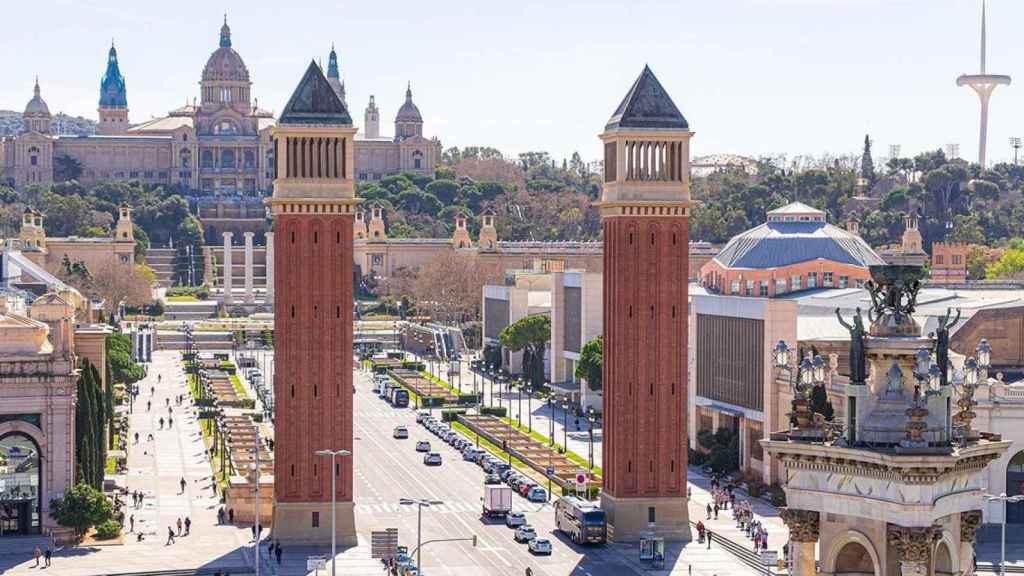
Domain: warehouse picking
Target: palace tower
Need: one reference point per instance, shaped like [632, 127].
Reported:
[313, 205]
[645, 206]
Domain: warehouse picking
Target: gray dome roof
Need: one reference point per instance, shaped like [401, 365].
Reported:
[225, 63]
[37, 106]
[408, 112]
[795, 233]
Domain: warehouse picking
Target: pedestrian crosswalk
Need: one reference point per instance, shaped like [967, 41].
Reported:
[378, 506]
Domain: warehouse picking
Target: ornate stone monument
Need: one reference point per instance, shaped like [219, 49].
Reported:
[899, 489]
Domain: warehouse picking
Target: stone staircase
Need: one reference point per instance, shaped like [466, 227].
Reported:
[162, 261]
[174, 340]
[190, 310]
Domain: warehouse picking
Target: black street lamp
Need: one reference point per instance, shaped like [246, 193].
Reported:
[519, 407]
[565, 423]
[529, 406]
[551, 423]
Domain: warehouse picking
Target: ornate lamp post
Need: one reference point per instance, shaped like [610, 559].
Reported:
[1003, 498]
[565, 423]
[551, 423]
[591, 417]
[334, 498]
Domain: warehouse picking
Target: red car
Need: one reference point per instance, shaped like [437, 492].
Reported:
[524, 487]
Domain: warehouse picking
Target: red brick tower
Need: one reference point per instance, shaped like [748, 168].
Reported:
[313, 205]
[645, 206]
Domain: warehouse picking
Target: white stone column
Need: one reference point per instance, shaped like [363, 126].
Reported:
[250, 296]
[269, 298]
[228, 298]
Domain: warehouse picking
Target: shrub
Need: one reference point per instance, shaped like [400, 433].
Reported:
[81, 507]
[696, 457]
[107, 530]
[498, 411]
[451, 415]
[777, 495]
[756, 489]
[257, 418]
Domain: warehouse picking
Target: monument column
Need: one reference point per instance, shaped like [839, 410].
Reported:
[913, 548]
[228, 271]
[644, 206]
[250, 297]
[803, 537]
[269, 297]
[313, 206]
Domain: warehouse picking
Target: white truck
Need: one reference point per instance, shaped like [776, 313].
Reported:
[497, 500]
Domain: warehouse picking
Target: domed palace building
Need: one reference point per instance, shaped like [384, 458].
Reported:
[219, 145]
[796, 249]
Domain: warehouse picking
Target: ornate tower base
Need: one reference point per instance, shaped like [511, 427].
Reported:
[293, 525]
[629, 518]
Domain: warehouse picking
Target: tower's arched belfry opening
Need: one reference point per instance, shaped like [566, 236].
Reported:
[645, 206]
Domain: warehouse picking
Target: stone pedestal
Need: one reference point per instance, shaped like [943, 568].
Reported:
[293, 523]
[269, 297]
[250, 296]
[228, 272]
[629, 517]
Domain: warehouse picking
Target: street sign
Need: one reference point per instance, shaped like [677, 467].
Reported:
[549, 471]
[316, 563]
[384, 543]
[581, 481]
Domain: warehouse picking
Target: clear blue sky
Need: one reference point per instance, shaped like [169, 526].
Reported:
[752, 76]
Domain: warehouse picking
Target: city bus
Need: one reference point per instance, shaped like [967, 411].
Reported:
[399, 397]
[581, 520]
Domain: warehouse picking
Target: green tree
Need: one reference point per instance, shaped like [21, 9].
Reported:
[81, 507]
[1010, 264]
[443, 190]
[66, 168]
[529, 334]
[591, 364]
[85, 449]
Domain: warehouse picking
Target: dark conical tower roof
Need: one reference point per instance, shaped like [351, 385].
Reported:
[647, 105]
[315, 102]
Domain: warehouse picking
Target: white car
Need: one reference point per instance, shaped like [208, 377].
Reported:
[400, 432]
[469, 455]
[540, 546]
[525, 533]
[421, 417]
[432, 459]
[513, 519]
[423, 446]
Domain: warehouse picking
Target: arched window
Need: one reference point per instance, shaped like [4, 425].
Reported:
[206, 159]
[250, 160]
[417, 160]
[1014, 486]
[20, 485]
[227, 158]
[185, 160]
[33, 156]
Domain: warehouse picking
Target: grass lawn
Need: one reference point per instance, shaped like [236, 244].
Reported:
[237, 383]
[182, 299]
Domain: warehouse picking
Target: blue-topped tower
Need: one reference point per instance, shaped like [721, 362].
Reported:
[334, 76]
[113, 110]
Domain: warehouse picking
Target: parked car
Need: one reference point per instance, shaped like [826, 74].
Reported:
[423, 446]
[432, 459]
[421, 417]
[500, 468]
[524, 533]
[400, 432]
[540, 546]
[514, 519]
[469, 454]
[506, 473]
[537, 494]
[492, 479]
[525, 487]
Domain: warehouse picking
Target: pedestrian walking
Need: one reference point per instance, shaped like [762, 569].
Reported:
[170, 423]
[161, 422]
[170, 410]
[38, 553]
[231, 515]
[709, 511]
[716, 510]
[47, 556]
[220, 515]
[252, 529]
[150, 437]
[277, 553]
[131, 523]
[170, 536]
[136, 437]
[152, 389]
[179, 526]
[149, 405]
[167, 402]
[188, 525]
[710, 535]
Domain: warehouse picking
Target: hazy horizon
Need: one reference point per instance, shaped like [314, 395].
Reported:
[752, 77]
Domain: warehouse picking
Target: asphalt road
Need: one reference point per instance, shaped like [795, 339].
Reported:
[389, 469]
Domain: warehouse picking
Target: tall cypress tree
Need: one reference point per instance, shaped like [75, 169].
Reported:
[99, 417]
[867, 165]
[84, 426]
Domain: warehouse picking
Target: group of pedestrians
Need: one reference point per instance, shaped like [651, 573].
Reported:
[187, 525]
[46, 556]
